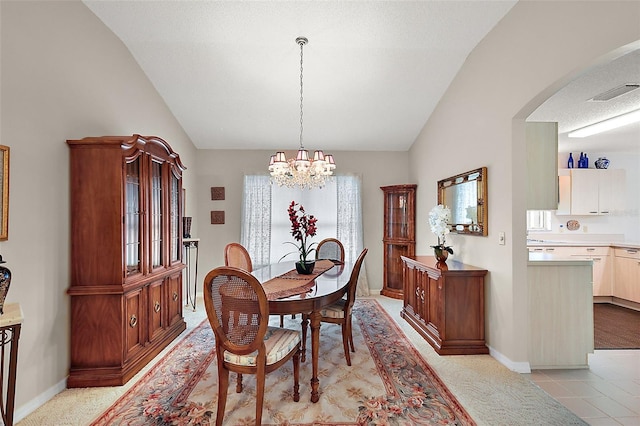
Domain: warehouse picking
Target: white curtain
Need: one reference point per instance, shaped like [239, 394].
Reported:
[266, 226]
[255, 234]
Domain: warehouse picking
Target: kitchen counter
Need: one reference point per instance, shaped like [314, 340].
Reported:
[582, 243]
[560, 311]
[539, 258]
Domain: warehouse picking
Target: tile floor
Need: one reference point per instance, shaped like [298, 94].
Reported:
[607, 393]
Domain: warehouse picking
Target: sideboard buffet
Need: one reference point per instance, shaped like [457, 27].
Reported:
[444, 302]
[126, 256]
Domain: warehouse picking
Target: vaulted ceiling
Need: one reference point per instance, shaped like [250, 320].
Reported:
[373, 71]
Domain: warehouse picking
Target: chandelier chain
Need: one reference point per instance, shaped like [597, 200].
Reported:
[301, 97]
[301, 171]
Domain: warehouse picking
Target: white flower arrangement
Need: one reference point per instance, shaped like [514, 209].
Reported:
[439, 218]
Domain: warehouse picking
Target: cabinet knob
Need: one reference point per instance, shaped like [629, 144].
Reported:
[175, 296]
[156, 306]
[133, 321]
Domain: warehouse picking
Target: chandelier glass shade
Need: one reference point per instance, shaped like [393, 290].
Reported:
[302, 171]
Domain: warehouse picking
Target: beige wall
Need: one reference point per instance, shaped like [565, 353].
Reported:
[536, 47]
[64, 76]
[227, 168]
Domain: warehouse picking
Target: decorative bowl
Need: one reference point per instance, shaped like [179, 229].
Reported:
[602, 163]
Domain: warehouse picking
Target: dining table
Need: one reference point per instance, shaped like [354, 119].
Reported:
[289, 292]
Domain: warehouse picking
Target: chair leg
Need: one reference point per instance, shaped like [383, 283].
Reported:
[345, 342]
[260, 380]
[350, 332]
[281, 321]
[305, 324]
[296, 375]
[239, 383]
[223, 385]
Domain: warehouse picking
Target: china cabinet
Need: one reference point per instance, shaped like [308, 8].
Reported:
[445, 304]
[126, 256]
[399, 235]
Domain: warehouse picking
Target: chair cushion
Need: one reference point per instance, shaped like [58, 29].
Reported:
[335, 310]
[279, 342]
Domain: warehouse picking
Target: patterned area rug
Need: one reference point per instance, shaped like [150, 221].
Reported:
[388, 383]
[615, 327]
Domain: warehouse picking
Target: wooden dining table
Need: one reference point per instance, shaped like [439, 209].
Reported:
[327, 288]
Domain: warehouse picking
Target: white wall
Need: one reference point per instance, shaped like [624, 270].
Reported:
[227, 168]
[64, 76]
[535, 49]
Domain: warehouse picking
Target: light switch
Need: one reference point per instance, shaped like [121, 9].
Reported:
[501, 239]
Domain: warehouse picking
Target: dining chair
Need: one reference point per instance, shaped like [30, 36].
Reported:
[238, 312]
[237, 256]
[340, 312]
[330, 248]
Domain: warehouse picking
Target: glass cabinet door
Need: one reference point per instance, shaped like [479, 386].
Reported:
[397, 216]
[155, 218]
[132, 217]
[174, 225]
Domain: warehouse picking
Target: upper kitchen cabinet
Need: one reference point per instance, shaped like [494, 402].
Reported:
[542, 165]
[591, 191]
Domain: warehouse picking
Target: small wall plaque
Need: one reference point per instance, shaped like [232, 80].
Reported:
[217, 192]
[217, 217]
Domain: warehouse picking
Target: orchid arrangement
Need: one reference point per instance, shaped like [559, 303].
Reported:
[303, 226]
[439, 217]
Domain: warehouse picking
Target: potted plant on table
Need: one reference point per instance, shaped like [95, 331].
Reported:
[303, 226]
[439, 218]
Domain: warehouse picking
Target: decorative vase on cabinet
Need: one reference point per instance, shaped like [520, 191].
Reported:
[126, 256]
[399, 235]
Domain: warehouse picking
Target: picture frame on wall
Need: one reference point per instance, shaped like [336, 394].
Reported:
[4, 187]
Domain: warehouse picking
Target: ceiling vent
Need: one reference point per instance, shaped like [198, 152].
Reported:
[615, 92]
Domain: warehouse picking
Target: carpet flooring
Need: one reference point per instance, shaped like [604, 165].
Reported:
[491, 394]
[388, 383]
[615, 327]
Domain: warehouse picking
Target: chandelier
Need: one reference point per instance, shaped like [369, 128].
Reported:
[301, 171]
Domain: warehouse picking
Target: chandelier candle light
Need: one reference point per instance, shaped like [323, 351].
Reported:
[439, 217]
[301, 171]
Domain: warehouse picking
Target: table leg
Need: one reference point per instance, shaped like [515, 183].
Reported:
[315, 350]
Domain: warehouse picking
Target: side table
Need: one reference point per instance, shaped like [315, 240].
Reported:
[191, 244]
[10, 324]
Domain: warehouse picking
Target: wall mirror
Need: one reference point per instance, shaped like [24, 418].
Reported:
[4, 188]
[466, 195]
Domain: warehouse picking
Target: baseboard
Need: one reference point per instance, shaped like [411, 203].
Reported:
[31, 406]
[518, 367]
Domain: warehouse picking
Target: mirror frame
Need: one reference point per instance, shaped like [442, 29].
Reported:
[481, 227]
[4, 187]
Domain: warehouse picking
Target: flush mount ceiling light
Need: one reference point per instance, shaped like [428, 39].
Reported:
[301, 171]
[609, 124]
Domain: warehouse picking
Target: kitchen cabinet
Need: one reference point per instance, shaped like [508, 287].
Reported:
[600, 257]
[542, 165]
[126, 256]
[399, 237]
[595, 192]
[560, 313]
[626, 284]
[445, 304]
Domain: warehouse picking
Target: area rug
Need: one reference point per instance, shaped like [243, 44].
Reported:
[388, 383]
[615, 327]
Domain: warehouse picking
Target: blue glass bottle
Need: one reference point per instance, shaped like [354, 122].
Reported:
[570, 162]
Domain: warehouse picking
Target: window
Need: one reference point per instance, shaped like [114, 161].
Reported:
[266, 228]
[538, 220]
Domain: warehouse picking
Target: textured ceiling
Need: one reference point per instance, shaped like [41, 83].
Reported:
[230, 70]
[373, 70]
